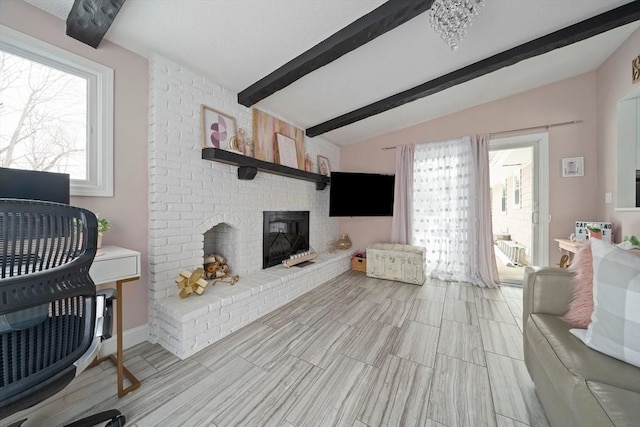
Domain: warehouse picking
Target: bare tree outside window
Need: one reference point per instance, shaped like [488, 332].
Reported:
[43, 117]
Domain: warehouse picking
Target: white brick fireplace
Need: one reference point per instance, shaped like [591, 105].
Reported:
[190, 196]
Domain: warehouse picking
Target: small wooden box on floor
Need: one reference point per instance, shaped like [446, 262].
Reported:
[402, 263]
[359, 264]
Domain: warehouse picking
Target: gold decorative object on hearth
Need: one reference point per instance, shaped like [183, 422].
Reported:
[232, 280]
[190, 283]
[343, 242]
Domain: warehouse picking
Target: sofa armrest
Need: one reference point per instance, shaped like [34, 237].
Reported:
[547, 290]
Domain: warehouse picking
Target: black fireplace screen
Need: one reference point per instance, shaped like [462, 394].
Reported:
[284, 233]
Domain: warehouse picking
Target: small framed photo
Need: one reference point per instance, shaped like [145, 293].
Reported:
[572, 166]
[285, 151]
[218, 129]
[323, 166]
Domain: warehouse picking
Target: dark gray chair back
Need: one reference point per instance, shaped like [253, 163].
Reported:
[47, 298]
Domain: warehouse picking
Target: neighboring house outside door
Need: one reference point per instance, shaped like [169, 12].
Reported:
[512, 198]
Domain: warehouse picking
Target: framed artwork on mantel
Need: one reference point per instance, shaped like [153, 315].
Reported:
[285, 152]
[323, 166]
[218, 129]
[265, 131]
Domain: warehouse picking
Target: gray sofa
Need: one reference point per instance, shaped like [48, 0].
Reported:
[577, 386]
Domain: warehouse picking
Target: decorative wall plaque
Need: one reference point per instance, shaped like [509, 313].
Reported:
[582, 232]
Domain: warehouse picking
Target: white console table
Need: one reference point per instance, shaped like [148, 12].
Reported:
[118, 265]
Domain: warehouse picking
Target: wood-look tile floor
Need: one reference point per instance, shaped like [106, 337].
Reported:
[355, 351]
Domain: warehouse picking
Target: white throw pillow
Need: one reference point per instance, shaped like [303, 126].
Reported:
[615, 323]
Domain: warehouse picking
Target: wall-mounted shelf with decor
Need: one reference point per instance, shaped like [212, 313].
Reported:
[248, 167]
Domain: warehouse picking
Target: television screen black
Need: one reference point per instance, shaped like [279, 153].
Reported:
[361, 194]
[34, 185]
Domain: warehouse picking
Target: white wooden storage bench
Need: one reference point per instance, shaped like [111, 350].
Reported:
[402, 263]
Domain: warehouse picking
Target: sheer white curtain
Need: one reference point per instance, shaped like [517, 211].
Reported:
[444, 209]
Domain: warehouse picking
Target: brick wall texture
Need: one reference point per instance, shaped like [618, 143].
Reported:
[188, 196]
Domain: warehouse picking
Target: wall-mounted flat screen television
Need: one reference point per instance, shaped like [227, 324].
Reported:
[34, 185]
[361, 194]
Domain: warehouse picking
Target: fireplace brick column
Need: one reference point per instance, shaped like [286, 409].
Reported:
[188, 195]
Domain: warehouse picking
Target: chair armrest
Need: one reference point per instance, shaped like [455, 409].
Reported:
[109, 294]
[107, 321]
[547, 290]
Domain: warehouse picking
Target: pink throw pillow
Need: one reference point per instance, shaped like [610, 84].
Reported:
[581, 304]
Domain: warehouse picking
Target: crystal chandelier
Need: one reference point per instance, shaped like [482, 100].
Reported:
[450, 18]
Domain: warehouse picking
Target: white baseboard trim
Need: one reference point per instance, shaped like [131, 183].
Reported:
[131, 337]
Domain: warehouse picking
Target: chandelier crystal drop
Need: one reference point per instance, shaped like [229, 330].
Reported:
[451, 18]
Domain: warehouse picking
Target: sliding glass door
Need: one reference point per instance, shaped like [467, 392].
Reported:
[519, 183]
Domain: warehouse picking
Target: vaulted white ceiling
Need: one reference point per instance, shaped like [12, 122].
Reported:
[237, 42]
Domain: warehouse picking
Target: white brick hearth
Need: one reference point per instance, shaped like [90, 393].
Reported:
[189, 325]
[189, 196]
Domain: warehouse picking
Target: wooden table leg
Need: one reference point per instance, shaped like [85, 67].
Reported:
[564, 261]
[120, 362]
[118, 359]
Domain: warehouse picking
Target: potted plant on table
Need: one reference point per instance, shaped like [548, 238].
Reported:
[595, 231]
[103, 226]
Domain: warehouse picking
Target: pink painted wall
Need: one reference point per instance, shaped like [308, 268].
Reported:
[569, 198]
[613, 83]
[127, 210]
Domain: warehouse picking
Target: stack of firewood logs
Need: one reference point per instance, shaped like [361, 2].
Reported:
[215, 266]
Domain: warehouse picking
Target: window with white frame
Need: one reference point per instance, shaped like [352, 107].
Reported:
[56, 113]
[503, 205]
[517, 188]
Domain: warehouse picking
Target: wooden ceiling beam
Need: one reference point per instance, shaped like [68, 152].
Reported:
[89, 20]
[377, 22]
[599, 24]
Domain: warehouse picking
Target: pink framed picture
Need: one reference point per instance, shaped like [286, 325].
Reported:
[285, 153]
[218, 129]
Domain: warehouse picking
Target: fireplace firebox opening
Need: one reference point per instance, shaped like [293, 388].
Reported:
[284, 233]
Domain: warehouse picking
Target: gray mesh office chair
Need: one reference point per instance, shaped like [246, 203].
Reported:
[52, 321]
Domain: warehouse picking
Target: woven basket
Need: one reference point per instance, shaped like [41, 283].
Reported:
[359, 264]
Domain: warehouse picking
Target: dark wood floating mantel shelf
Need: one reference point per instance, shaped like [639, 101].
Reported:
[248, 167]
